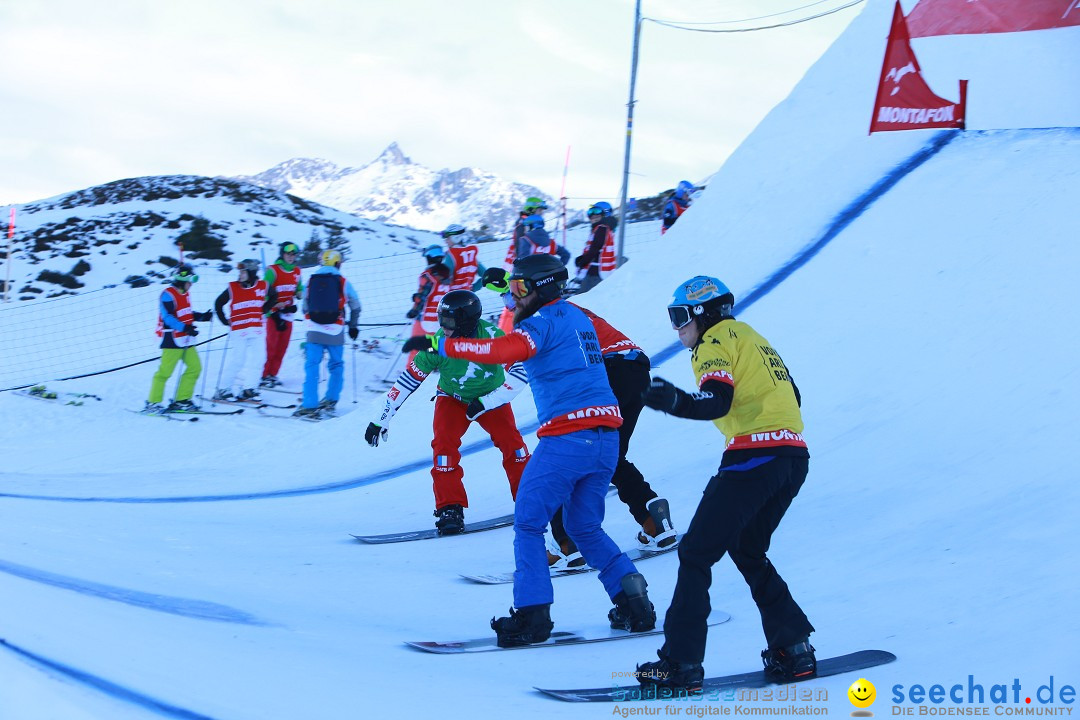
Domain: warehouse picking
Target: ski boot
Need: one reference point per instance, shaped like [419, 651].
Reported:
[657, 532]
[250, 395]
[328, 407]
[665, 673]
[224, 396]
[633, 611]
[565, 556]
[270, 381]
[307, 413]
[791, 663]
[525, 626]
[451, 520]
[182, 406]
[152, 408]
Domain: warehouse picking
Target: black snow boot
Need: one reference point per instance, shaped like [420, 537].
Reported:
[791, 663]
[632, 610]
[666, 673]
[525, 626]
[451, 520]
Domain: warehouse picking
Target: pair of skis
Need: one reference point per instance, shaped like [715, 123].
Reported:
[40, 392]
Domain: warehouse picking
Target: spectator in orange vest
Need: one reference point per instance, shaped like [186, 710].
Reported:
[249, 300]
[598, 258]
[176, 328]
[283, 278]
[677, 205]
[434, 282]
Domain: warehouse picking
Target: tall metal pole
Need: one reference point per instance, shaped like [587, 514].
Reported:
[629, 134]
[9, 259]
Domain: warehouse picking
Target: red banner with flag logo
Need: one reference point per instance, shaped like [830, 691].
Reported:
[971, 17]
[904, 100]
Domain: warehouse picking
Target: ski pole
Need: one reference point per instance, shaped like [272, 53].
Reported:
[221, 367]
[354, 373]
[210, 334]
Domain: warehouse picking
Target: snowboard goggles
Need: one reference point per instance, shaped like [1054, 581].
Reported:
[290, 249]
[681, 315]
[520, 287]
[594, 211]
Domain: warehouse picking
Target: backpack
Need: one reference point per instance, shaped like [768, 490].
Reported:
[325, 295]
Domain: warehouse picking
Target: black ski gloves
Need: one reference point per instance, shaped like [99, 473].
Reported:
[420, 343]
[475, 409]
[663, 396]
[279, 322]
[711, 402]
[494, 279]
[374, 434]
[203, 316]
[289, 309]
[353, 333]
[413, 313]
[191, 330]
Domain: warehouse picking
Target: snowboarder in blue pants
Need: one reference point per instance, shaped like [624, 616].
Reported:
[575, 457]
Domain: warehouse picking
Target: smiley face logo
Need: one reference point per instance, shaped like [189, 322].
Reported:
[862, 693]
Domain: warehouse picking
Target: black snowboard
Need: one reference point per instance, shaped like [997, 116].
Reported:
[716, 685]
[635, 554]
[497, 522]
[559, 637]
[492, 524]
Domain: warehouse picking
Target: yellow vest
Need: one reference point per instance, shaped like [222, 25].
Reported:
[764, 412]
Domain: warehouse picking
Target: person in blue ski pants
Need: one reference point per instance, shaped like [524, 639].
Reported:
[575, 457]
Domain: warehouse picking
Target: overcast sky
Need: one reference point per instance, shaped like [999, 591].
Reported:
[97, 91]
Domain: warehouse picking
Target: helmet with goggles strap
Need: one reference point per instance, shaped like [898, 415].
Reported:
[543, 274]
[459, 313]
[184, 273]
[434, 254]
[534, 204]
[453, 233]
[288, 247]
[684, 190]
[700, 298]
[603, 209]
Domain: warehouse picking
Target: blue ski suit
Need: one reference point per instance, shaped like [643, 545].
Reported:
[578, 446]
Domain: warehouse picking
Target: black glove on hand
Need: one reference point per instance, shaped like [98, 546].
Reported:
[581, 262]
[374, 433]
[289, 309]
[420, 343]
[475, 409]
[495, 279]
[279, 322]
[203, 316]
[353, 333]
[413, 314]
[662, 395]
[191, 330]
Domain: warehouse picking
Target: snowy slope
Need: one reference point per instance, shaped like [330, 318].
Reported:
[123, 229]
[932, 341]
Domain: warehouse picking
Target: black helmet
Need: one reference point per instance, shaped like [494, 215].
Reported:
[543, 273]
[459, 313]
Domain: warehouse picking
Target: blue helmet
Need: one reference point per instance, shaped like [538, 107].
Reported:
[700, 297]
[533, 221]
[434, 253]
[601, 208]
[684, 189]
